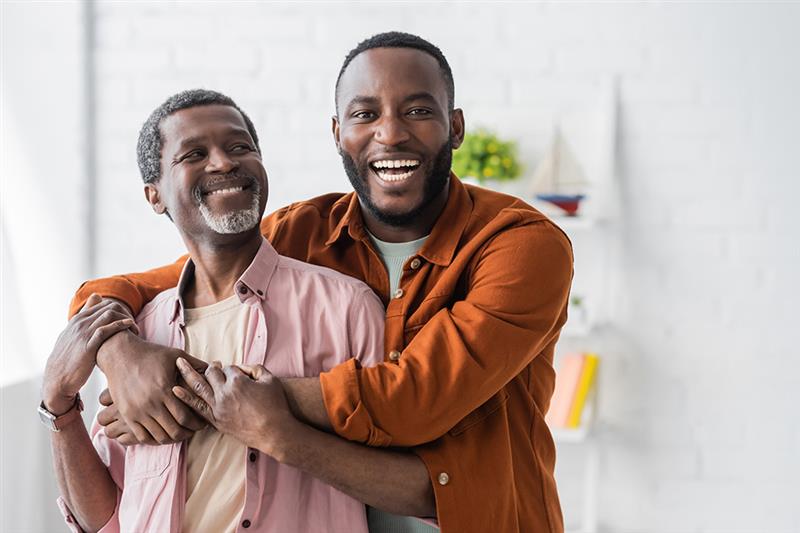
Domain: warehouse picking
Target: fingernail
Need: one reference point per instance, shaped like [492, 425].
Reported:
[181, 361]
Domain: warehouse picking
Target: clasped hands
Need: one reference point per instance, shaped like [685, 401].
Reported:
[247, 402]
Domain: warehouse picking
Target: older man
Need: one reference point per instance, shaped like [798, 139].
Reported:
[244, 307]
[475, 285]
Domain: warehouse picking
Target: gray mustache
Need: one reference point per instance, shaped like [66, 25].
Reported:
[251, 182]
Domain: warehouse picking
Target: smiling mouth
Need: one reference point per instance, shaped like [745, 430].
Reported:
[394, 170]
[220, 188]
[229, 190]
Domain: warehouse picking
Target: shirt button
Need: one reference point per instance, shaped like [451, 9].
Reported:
[246, 524]
[444, 479]
[398, 293]
[394, 355]
[252, 457]
[415, 263]
[242, 289]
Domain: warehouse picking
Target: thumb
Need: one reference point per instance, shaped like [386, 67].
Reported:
[255, 371]
[93, 300]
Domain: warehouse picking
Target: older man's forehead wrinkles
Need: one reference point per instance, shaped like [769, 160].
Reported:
[199, 139]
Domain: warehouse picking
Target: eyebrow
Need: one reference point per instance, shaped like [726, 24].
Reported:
[371, 100]
[200, 138]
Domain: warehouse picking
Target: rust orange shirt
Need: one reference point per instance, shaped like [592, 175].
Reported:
[470, 334]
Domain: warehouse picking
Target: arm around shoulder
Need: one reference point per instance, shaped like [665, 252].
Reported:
[514, 307]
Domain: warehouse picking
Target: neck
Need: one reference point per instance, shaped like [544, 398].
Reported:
[218, 265]
[420, 227]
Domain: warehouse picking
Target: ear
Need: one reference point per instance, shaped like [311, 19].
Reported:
[154, 198]
[457, 128]
[335, 131]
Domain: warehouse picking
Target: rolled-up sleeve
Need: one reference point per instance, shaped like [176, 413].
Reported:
[112, 454]
[514, 307]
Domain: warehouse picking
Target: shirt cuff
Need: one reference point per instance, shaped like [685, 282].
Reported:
[112, 526]
[347, 413]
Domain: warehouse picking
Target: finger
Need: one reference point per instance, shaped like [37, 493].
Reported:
[102, 333]
[155, 429]
[184, 414]
[107, 415]
[92, 300]
[214, 375]
[254, 371]
[195, 402]
[195, 381]
[233, 372]
[90, 309]
[117, 429]
[128, 439]
[105, 398]
[197, 364]
[173, 429]
[141, 434]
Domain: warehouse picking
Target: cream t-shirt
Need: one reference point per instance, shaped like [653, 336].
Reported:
[216, 464]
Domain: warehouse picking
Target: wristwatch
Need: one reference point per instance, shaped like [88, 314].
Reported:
[57, 423]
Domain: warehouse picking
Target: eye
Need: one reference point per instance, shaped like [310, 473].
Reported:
[241, 147]
[419, 112]
[193, 155]
[363, 115]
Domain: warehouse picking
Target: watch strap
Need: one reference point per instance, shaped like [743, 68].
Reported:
[57, 423]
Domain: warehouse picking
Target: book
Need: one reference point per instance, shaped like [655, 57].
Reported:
[567, 381]
[585, 385]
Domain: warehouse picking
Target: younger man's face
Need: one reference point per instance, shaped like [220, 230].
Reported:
[395, 133]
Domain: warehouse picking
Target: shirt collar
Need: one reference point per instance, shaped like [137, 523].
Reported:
[254, 281]
[439, 248]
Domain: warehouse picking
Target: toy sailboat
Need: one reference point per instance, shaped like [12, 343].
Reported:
[559, 178]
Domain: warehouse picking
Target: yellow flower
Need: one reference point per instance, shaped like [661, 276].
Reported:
[488, 172]
[491, 147]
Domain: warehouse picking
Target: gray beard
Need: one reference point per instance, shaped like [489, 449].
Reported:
[235, 221]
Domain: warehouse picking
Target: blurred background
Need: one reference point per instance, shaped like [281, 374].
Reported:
[678, 122]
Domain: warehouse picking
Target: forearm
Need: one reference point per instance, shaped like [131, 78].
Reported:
[305, 401]
[83, 479]
[393, 481]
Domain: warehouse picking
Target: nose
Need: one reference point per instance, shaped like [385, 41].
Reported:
[221, 162]
[390, 130]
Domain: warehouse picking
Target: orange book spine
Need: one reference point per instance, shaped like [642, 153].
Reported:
[567, 380]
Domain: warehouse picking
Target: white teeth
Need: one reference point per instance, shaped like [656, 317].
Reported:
[385, 176]
[228, 190]
[396, 163]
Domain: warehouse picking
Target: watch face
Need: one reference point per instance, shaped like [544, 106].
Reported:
[47, 418]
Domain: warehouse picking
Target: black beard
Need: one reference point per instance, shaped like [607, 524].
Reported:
[435, 182]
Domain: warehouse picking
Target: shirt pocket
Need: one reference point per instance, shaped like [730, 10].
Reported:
[142, 462]
[478, 415]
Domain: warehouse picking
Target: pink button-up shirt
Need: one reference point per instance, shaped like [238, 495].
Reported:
[305, 319]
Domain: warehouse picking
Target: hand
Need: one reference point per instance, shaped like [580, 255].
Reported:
[246, 402]
[116, 428]
[140, 378]
[74, 356]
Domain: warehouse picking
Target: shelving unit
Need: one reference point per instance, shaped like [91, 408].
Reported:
[595, 245]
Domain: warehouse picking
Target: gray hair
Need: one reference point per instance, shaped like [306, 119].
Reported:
[148, 149]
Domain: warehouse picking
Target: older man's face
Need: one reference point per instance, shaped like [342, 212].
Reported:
[395, 133]
[212, 177]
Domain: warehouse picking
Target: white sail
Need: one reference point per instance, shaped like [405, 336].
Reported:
[559, 171]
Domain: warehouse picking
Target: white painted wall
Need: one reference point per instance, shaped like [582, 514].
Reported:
[699, 430]
[43, 240]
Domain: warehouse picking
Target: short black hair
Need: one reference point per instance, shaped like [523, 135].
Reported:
[148, 149]
[398, 39]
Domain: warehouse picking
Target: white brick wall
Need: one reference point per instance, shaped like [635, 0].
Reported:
[700, 430]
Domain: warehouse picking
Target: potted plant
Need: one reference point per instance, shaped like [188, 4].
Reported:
[485, 157]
